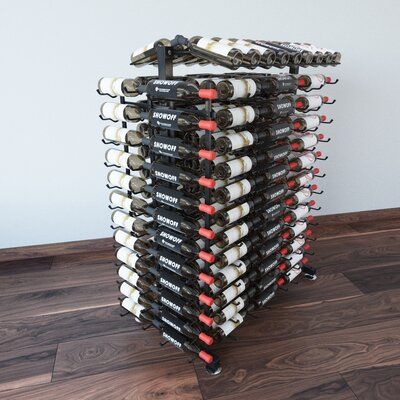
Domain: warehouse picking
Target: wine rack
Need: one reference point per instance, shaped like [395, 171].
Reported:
[211, 215]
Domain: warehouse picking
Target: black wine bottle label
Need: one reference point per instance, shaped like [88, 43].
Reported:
[279, 131]
[168, 218]
[286, 83]
[279, 152]
[177, 339]
[275, 192]
[163, 89]
[171, 282]
[169, 239]
[283, 106]
[172, 301]
[171, 320]
[272, 229]
[269, 264]
[165, 119]
[167, 196]
[265, 297]
[274, 210]
[277, 172]
[165, 146]
[168, 173]
[170, 261]
[266, 282]
[270, 248]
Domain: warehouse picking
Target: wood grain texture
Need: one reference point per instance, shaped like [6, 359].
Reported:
[9, 268]
[53, 249]
[113, 352]
[57, 301]
[375, 383]
[65, 271]
[173, 380]
[61, 327]
[26, 367]
[343, 350]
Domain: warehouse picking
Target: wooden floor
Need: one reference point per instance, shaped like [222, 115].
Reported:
[338, 338]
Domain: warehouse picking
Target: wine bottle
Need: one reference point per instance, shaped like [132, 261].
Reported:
[131, 137]
[300, 142]
[310, 103]
[294, 50]
[140, 264]
[282, 57]
[291, 232]
[120, 86]
[301, 179]
[148, 54]
[134, 224]
[239, 166]
[136, 203]
[125, 239]
[300, 196]
[318, 57]
[293, 246]
[310, 82]
[214, 51]
[229, 326]
[134, 182]
[140, 282]
[296, 214]
[176, 148]
[239, 140]
[125, 160]
[304, 123]
[267, 56]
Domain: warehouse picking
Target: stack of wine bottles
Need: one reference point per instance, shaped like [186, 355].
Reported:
[212, 183]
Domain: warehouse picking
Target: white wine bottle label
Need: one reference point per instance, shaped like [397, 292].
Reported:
[125, 273]
[129, 304]
[235, 233]
[314, 102]
[293, 273]
[111, 86]
[299, 228]
[250, 45]
[300, 211]
[238, 212]
[232, 292]
[122, 219]
[312, 121]
[241, 139]
[309, 140]
[214, 47]
[127, 256]
[113, 111]
[243, 88]
[242, 115]
[117, 157]
[120, 200]
[233, 308]
[235, 253]
[240, 165]
[221, 159]
[303, 180]
[303, 195]
[236, 45]
[129, 291]
[297, 243]
[142, 49]
[239, 189]
[317, 81]
[232, 272]
[125, 239]
[232, 324]
[294, 258]
[117, 178]
[115, 134]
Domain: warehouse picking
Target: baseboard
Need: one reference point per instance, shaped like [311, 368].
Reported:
[106, 244]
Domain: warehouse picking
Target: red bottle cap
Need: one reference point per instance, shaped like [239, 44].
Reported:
[207, 182]
[282, 266]
[287, 218]
[280, 282]
[206, 299]
[314, 187]
[304, 260]
[206, 208]
[208, 154]
[207, 125]
[296, 125]
[310, 218]
[208, 340]
[318, 154]
[207, 257]
[323, 118]
[316, 170]
[291, 183]
[207, 233]
[320, 136]
[210, 94]
[308, 232]
[292, 164]
[208, 358]
[328, 79]
[325, 99]
[206, 278]
[311, 203]
[205, 319]
[284, 251]
[289, 202]
[299, 104]
[301, 82]
[294, 147]
[285, 235]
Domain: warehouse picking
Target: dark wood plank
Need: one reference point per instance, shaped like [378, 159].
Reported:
[357, 252]
[55, 301]
[260, 366]
[375, 383]
[26, 367]
[174, 380]
[324, 232]
[60, 327]
[27, 265]
[113, 352]
[376, 279]
[53, 249]
[328, 387]
[66, 271]
[282, 323]
[376, 225]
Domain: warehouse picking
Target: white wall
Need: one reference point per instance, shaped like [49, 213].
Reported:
[53, 52]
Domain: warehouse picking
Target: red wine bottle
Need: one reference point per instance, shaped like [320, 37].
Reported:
[310, 82]
[296, 214]
[300, 142]
[310, 103]
[298, 197]
[303, 123]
